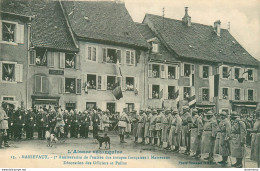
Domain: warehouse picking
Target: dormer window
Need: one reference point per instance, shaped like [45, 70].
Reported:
[155, 47]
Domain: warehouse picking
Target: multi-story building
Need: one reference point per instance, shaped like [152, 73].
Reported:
[201, 52]
[14, 45]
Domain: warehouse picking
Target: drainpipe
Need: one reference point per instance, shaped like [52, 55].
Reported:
[28, 60]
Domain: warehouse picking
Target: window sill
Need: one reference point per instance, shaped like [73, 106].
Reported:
[9, 43]
[7, 82]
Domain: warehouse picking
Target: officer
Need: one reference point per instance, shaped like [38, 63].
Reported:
[255, 142]
[238, 139]
[177, 123]
[51, 120]
[147, 127]
[3, 126]
[59, 123]
[42, 123]
[29, 124]
[10, 113]
[152, 128]
[67, 121]
[135, 119]
[166, 127]
[186, 124]
[140, 128]
[86, 124]
[170, 135]
[75, 124]
[224, 134]
[158, 127]
[105, 120]
[19, 122]
[196, 133]
[209, 135]
[96, 122]
[122, 123]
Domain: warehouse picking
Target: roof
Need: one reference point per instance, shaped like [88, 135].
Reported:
[49, 29]
[199, 41]
[103, 21]
[148, 34]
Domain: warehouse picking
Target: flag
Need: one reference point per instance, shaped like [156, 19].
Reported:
[241, 80]
[229, 72]
[161, 94]
[192, 101]
[176, 95]
[117, 92]
[192, 79]
[213, 85]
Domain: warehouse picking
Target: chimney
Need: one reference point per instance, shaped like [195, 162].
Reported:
[186, 19]
[217, 27]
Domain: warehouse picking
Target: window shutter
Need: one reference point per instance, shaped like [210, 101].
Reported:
[246, 74]
[77, 61]
[62, 60]
[177, 72]
[162, 72]
[255, 74]
[61, 85]
[255, 95]
[20, 33]
[104, 82]
[181, 92]
[201, 71]
[200, 94]
[32, 57]
[220, 72]
[150, 71]
[230, 93]
[166, 71]
[89, 53]
[210, 70]
[136, 81]
[123, 83]
[132, 58]
[165, 91]
[78, 86]
[119, 58]
[83, 81]
[242, 94]
[220, 94]
[182, 69]
[38, 85]
[104, 50]
[233, 93]
[50, 59]
[128, 57]
[45, 85]
[233, 73]
[1, 33]
[104, 106]
[150, 91]
[19, 73]
[99, 82]
[246, 94]
[1, 66]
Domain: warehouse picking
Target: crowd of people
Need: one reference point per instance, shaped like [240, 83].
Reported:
[171, 129]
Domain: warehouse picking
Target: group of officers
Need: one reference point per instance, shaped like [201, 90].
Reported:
[199, 133]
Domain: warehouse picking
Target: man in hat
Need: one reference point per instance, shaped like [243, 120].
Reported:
[29, 123]
[96, 122]
[166, 128]
[238, 139]
[186, 124]
[140, 127]
[209, 136]
[19, 122]
[67, 120]
[255, 142]
[176, 127]
[224, 134]
[196, 133]
[152, 127]
[122, 123]
[158, 126]
[3, 126]
[134, 120]
[41, 122]
[146, 126]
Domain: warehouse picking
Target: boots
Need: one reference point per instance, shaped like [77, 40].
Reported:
[239, 163]
[155, 141]
[176, 149]
[224, 160]
[150, 140]
[211, 158]
[120, 138]
[123, 139]
[136, 139]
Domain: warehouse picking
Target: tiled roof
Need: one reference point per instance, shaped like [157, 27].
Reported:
[49, 29]
[103, 21]
[163, 54]
[199, 41]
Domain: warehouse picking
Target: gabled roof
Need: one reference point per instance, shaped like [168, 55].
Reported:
[49, 29]
[103, 21]
[199, 41]
[163, 54]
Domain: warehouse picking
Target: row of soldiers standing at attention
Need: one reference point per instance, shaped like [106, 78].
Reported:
[196, 132]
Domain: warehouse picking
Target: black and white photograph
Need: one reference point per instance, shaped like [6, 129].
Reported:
[129, 84]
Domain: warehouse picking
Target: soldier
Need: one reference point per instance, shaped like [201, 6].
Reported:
[3, 126]
[19, 122]
[129, 125]
[166, 128]
[140, 128]
[196, 133]
[186, 124]
[152, 127]
[29, 124]
[176, 131]
[67, 120]
[86, 124]
[105, 120]
[122, 123]
[147, 134]
[10, 113]
[209, 135]
[255, 143]
[135, 119]
[60, 123]
[96, 122]
[224, 134]
[158, 127]
[51, 120]
[75, 124]
[41, 120]
[238, 139]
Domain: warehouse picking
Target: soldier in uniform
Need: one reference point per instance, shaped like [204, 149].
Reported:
[19, 122]
[86, 124]
[158, 127]
[59, 123]
[75, 124]
[96, 122]
[197, 127]
[238, 139]
[140, 128]
[166, 128]
[51, 120]
[147, 127]
[152, 127]
[10, 113]
[67, 119]
[135, 119]
[29, 124]
[177, 128]
[41, 122]
[122, 123]
[186, 124]
[255, 142]
[209, 135]
[3, 126]
[105, 120]
[224, 134]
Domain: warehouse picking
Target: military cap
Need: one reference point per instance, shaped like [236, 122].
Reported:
[185, 107]
[223, 113]
[195, 111]
[209, 113]
[175, 111]
[234, 114]
[154, 111]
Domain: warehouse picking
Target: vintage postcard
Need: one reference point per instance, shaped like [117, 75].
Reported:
[129, 84]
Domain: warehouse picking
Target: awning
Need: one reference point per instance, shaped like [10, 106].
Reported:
[242, 105]
[48, 100]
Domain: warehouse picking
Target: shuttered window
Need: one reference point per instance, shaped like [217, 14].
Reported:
[41, 84]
